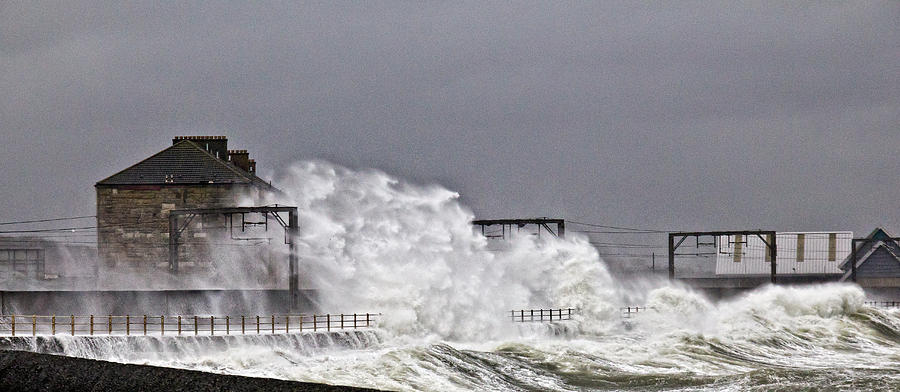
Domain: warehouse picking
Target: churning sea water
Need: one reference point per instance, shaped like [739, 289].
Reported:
[373, 243]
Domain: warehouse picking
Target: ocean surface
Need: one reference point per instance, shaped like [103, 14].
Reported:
[776, 338]
[370, 242]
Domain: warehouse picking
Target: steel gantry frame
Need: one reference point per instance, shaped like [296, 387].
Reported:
[519, 223]
[762, 234]
[854, 250]
[291, 229]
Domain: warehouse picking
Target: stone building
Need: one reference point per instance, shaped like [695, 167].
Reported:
[133, 205]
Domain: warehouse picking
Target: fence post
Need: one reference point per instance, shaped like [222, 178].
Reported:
[53, 324]
[109, 324]
[13, 325]
[212, 325]
[367, 320]
[354, 320]
[551, 315]
[328, 321]
[257, 324]
[92, 324]
[73, 324]
[300, 319]
[243, 331]
[127, 324]
[33, 325]
[287, 324]
[273, 324]
[228, 325]
[196, 328]
[145, 325]
[179, 325]
[162, 325]
[315, 323]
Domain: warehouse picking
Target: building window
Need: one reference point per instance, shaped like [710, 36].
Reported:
[21, 263]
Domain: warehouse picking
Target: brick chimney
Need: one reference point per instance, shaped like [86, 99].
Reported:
[240, 158]
[216, 145]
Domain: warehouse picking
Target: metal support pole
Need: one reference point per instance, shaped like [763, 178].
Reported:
[773, 255]
[671, 256]
[173, 242]
[294, 284]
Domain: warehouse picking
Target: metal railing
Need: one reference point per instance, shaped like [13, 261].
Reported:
[541, 315]
[883, 304]
[162, 325]
[629, 311]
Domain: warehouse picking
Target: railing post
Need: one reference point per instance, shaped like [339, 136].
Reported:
[13, 325]
[328, 322]
[342, 321]
[354, 320]
[33, 325]
[73, 324]
[145, 325]
[196, 327]
[257, 325]
[315, 323]
[300, 319]
[127, 325]
[522, 315]
[162, 325]
[109, 324]
[228, 325]
[53, 324]
[212, 325]
[287, 324]
[367, 320]
[92, 324]
[179, 325]
[273, 324]
[243, 331]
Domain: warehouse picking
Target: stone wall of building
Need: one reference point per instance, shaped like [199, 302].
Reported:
[133, 222]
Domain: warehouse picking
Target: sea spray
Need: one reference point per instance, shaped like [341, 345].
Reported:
[370, 242]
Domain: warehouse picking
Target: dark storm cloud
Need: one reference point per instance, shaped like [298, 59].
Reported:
[693, 116]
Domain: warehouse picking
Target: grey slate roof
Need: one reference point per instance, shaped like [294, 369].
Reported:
[878, 239]
[183, 163]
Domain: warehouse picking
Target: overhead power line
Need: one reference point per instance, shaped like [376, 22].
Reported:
[617, 232]
[47, 230]
[617, 227]
[47, 220]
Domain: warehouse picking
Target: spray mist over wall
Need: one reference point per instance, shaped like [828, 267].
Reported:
[370, 242]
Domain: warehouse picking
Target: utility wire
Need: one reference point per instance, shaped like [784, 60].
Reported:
[47, 230]
[616, 227]
[47, 220]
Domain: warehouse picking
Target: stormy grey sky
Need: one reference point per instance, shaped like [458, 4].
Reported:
[676, 115]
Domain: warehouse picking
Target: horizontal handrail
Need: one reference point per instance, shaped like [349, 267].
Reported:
[883, 304]
[160, 325]
[541, 315]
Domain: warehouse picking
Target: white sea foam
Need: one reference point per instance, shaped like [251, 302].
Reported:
[373, 243]
[370, 242]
